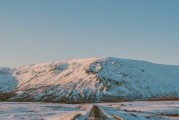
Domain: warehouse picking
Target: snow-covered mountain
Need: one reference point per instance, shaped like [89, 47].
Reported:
[90, 80]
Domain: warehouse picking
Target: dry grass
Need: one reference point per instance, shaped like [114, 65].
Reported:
[6, 96]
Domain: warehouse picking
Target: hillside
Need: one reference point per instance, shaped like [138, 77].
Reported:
[90, 80]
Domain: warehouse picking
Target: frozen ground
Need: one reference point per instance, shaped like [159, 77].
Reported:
[155, 110]
[165, 110]
[40, 111]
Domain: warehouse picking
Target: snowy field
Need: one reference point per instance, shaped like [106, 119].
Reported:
[166, 110]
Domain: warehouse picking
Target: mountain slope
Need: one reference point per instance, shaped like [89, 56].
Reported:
[90, 80]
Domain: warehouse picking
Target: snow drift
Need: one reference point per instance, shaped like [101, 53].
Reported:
[90, 80]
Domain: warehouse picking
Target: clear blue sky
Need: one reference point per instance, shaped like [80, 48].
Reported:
[34, 31]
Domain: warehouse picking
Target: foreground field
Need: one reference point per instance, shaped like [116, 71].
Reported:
[165, 110]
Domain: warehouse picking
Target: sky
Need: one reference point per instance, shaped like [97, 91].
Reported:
[35, 31]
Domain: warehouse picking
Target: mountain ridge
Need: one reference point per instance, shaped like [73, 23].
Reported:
[90, 80]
